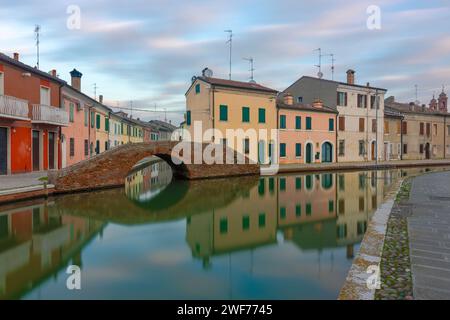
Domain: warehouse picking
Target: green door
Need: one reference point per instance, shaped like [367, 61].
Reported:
[308, 153]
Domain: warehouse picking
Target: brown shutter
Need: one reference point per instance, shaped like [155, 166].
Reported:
[341, 123]
[361, 124]
[421, 131]
[405, 128]
[374, 125]
[345, 98]
[428, 129]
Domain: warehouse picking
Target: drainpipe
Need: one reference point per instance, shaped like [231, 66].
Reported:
[401, 138]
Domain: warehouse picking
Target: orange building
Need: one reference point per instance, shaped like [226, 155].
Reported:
[30, 117]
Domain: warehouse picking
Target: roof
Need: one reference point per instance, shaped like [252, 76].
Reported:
[389, 112]
[413, 108]
[162, 125]
[338, 82]
[236, 84]
[305, 107]
[21, 65]
[66, 85]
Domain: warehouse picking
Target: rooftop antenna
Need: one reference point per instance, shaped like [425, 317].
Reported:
[416, 89]
[165, 114]
[332, 63]
[37, 30]
[250, 60]
[131, 107]
[95, 90]
[319, 74]
[230, 41]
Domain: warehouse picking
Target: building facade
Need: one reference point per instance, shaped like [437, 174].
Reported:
[307, 133]
[30, 117]
[225, 104]
[361, 114]
[392, 134]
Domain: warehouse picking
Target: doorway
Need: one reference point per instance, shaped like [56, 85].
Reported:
[36, 146]
[51, 150]
[327, 152]
[427, 151]
[373, 150]
[3, 150]
[387, 153]
[308, 153]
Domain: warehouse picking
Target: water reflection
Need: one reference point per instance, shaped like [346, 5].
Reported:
[289, 236]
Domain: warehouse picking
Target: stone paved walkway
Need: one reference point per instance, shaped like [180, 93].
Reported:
[21, 180]
[429, 235]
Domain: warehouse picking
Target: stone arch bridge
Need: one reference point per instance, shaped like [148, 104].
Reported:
[110, 168]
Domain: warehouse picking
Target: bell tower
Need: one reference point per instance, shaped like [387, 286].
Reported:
[443, 101]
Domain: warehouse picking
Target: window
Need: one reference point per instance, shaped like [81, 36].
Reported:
[107, 124]
[72, 147]
[362, 99]
[223, 113]
[362, 148]
[188, 117]
[330, 124]
[197, 88]
[405, 127]
[86, 147]
[298, 210]
[245, 114]
[282, 150]
[448, 130]
[428, 129]
[405, 148]
[282, 184]
[298, 150]
[245, 222]
[300, 99]
[342, 99]
[341, 206]
[308, 123]
[98, 121]
[421, 149]
[374, 125]
[86, 116]
[71, 111]
[2, 81]
[223, 225]
[262, 220]
[341, 123]
[283, 213]
[261, 187]
[282, 122]
[45, 96]
[361, 124]
[246, 146]
[373, 101]
[435, 129]
[399, 127]
[298, 122]
[386, 126]
[341, 182]
[330, 206]
[106, 145]
[309, 182]
[361, 204]
[341, 148]
[97, 147]
[422, 129]
[308, 209]
[262, 115]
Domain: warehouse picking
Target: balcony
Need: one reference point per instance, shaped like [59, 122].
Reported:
[13, 108]
[49, 115]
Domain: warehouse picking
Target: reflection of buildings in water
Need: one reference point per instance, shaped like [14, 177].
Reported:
[144, 184]
[36, 242]
[248, 222]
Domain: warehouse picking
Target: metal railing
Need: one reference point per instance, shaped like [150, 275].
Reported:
[12, 107]
[50, 115]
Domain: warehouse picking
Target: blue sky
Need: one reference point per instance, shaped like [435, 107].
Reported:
[148, 50]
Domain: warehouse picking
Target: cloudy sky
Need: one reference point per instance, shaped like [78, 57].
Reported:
[146, 51]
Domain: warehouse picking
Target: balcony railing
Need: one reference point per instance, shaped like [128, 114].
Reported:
[50, 115]
[14, 108]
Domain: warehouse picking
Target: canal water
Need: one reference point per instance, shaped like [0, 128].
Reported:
[282, 237]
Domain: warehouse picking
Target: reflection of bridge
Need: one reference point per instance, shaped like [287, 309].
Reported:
[110, 168]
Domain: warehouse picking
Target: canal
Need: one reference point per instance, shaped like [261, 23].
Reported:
[283, 237]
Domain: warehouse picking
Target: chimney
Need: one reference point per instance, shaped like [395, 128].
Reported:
[368, 84]
[100, 98]
[288, 99]
[411, 106]
[53, 73]
[16, 56]
[76, 79]
[318, 103]
[350, 76]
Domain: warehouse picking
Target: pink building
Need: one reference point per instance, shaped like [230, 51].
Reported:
[307, 132]
[79, 137]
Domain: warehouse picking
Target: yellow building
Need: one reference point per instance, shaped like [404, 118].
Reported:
[115, 130]
[101, 113]
[225, 104]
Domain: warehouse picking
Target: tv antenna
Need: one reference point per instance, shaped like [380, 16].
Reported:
[230, 41]
[95, 90]
[416, 89]
[250, 60]
[37, 30]
[332, 63]
[319, 74]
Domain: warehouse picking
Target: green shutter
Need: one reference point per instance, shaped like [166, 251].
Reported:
[107, 124]
[261, 187]
[298, 210]
[223, 113]
[331, 206]
[283, 213]
[262, 115]
[223, 225]
[298, 183]
[92, 119]
[245, 222]
[197, 88]
[71, 112]
[262, 220]
[331, 124]
[282, 149]
[188, 118]
[282, 122]
[271, 184]
[282, 183]
[298, 149]
[86, 118]
[245, 114]
[308, 209]
[98, 121]
[308, 123]
[298, 122]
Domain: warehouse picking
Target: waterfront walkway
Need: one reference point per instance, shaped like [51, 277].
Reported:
[429, 235]
[21, 180]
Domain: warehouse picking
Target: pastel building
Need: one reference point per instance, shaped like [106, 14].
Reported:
[307, 132]
[392, 134]
[77, 138]
[116, 127]
[30, 117]
[101, 127]
[227, 104]
[361, 114]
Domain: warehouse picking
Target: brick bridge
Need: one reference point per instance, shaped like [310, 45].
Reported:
[110, 168]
